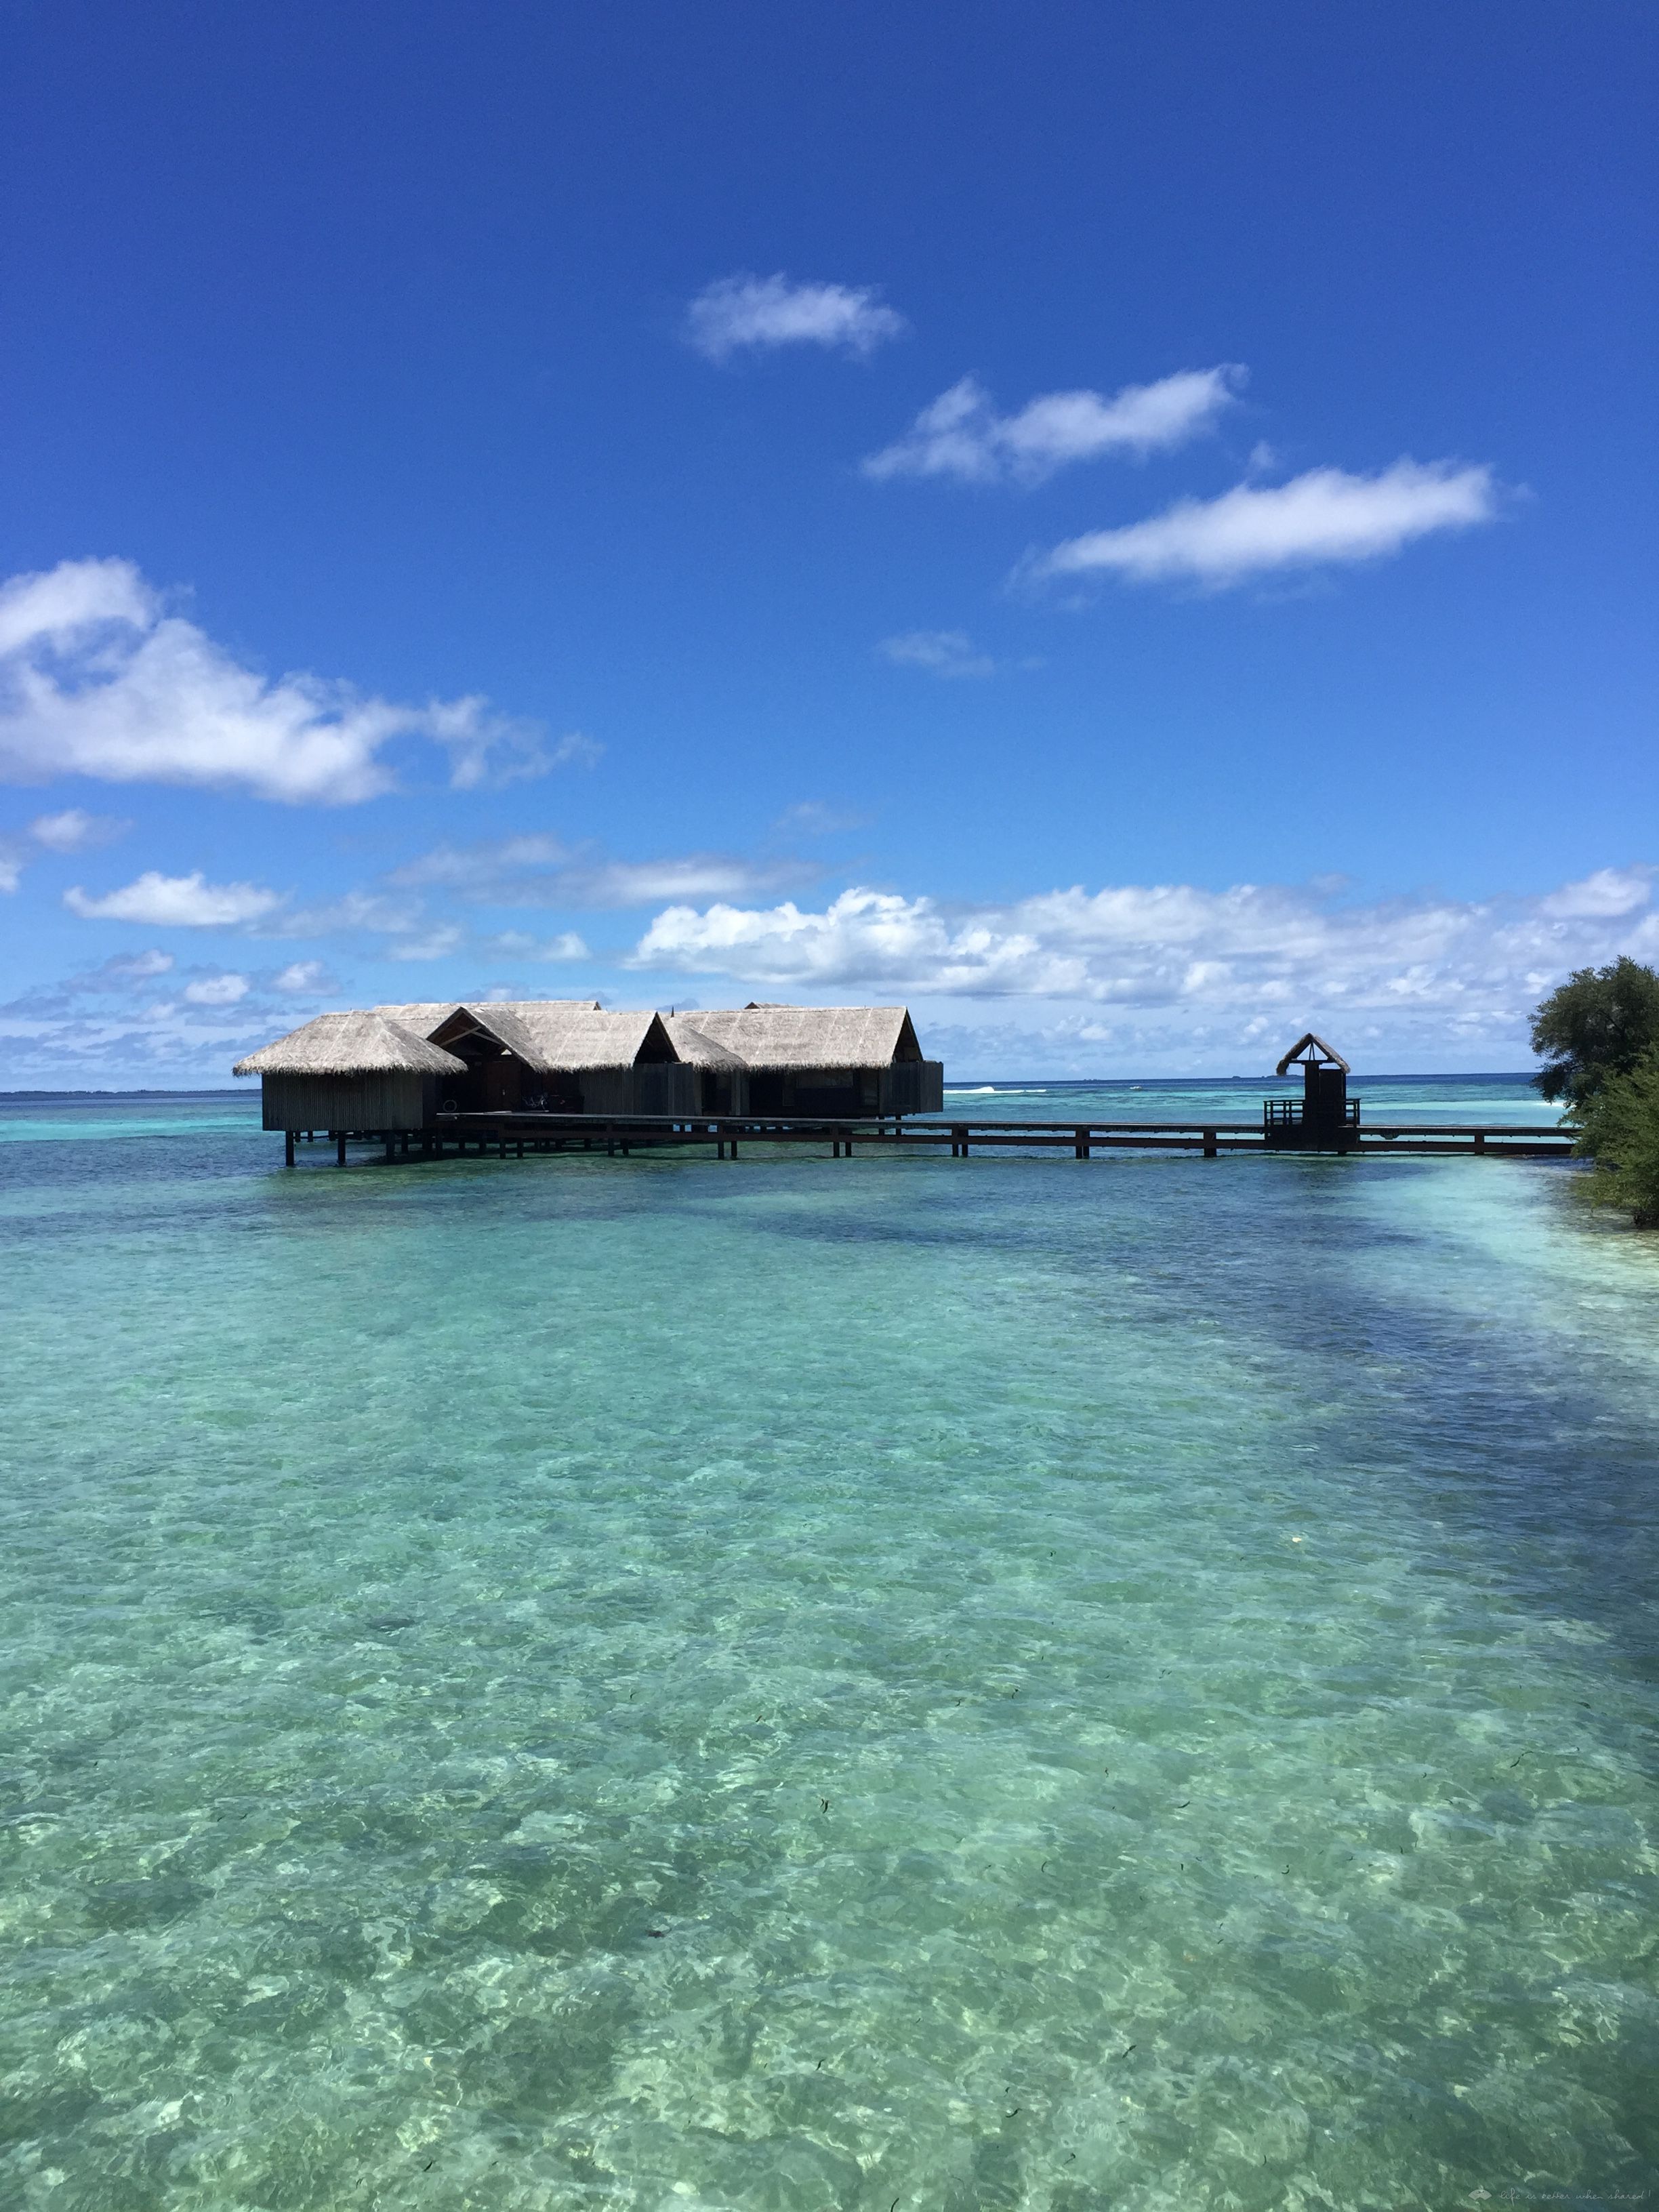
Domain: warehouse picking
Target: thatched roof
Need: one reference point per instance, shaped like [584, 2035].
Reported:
[580, 1036]
[1311, 1047]
[423, 1016]
[351, 1043]
[492, 1021]
[768, 1037]
[550, 1035]
[695, 1050]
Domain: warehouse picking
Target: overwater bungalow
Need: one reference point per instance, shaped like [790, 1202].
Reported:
[833, 1061]
[399, 1067]
[352, 1071]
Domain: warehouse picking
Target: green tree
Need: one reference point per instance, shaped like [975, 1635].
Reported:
[1619, 1132]
[1597, 1025]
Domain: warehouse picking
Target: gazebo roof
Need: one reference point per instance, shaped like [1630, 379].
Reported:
[1314, 1048]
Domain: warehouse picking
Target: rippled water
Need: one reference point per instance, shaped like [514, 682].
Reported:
[793, 1683]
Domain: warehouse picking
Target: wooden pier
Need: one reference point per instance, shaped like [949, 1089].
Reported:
[511, 1135]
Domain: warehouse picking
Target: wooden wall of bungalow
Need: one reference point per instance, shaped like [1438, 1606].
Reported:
[370, 1100]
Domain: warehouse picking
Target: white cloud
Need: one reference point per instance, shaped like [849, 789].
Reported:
[376, 912]
[1323, 516]
[71, 832]
[217, 990]
[97, 679]
[176, 903]
[813, 818]
[74, 597]
[756, 313]
[961, 435]
[948, 652]
[1609, 895]
[107, 1025]
[540, 871]
[568, 946]
[300, 977]
[1287, 953]
[76, 831]
[435, 944]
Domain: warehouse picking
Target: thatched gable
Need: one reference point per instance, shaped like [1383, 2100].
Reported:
[696, 1049]
[582, 1037]
[350, 1043]
[787, 1038]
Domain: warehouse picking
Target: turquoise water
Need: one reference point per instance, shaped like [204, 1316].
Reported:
[793, 1683]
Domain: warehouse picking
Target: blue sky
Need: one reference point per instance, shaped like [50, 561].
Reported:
[1129, 528]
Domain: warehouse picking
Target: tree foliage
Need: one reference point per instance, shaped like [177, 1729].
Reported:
[1619, 1131]
[1597, 1025]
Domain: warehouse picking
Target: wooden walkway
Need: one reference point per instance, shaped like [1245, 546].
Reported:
[512, 1135]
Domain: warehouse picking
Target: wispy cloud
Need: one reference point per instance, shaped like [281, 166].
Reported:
[74, 830]
[749, 314]
[1316, 519]
[961, 435]
[300, 976]
[540, 871]
[97, 679]
[947, 652]
[567, 945]
[1609, 895]
[142, 1019]
[437, 943]
[814, 818]
[71, 832]
[1278, 952]
[176, 903]
[221, 990]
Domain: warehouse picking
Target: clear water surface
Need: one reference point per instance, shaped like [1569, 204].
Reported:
[792, 1683]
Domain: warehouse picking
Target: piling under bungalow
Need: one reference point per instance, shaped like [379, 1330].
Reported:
[427, 1079]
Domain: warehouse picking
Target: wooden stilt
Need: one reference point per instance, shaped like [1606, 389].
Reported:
[1083, 1144]
[339, 1150]
[288, 1147]
[1210, 1147]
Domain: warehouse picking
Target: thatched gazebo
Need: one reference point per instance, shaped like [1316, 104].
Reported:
[350, 1073]
[1323, 1120]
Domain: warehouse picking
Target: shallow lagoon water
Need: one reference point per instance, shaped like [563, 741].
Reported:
[795, 1683]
